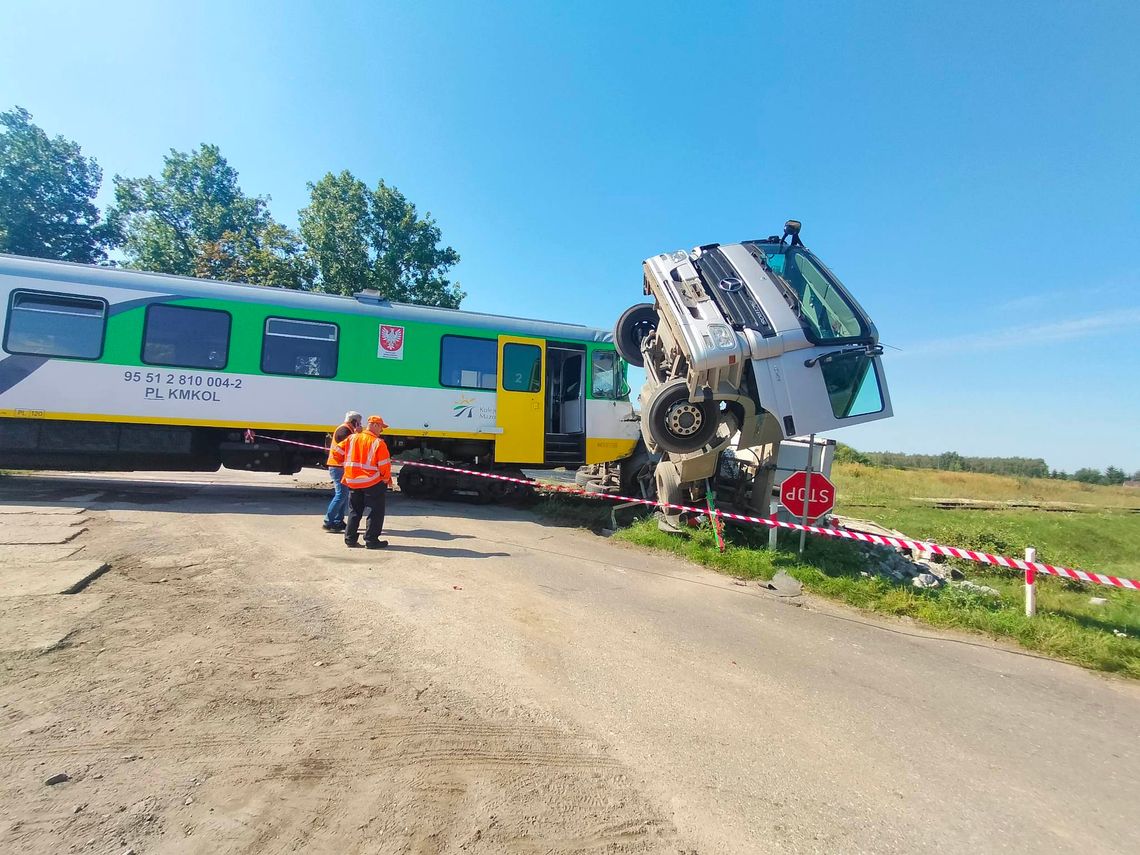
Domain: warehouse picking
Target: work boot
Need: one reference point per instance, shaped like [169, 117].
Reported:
[352, 544]
[375, 544]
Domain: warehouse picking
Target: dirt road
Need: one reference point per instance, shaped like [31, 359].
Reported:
[238, 681]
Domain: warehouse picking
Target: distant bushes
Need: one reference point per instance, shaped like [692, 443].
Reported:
[847, 454]
[952, 461]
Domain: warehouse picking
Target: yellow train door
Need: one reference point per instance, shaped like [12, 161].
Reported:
[521, 414]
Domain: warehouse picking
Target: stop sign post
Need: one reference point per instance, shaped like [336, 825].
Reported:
[800, 503]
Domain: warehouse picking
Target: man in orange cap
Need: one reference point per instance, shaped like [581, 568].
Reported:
[368, 474]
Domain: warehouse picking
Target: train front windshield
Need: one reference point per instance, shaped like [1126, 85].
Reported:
[608, 380]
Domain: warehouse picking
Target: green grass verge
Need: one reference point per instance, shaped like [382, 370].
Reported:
[1066, 626]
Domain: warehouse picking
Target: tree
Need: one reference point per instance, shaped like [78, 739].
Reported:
[1112, 475]
[273, 256]
[950, 461]
[1088, 476]
[47, 192]
[195, 220]
[846, 454]
[374, 239]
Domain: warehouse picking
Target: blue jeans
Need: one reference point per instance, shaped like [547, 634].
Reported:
[335, 514]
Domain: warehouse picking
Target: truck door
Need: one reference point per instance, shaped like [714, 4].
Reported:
[823, 388]
[521, 392]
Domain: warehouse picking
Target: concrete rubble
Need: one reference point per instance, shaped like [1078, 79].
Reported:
[904, 567]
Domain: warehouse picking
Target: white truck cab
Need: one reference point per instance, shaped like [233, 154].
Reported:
[757, 337]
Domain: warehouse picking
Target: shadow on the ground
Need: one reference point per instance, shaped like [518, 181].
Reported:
[445, 551]
[428, 534]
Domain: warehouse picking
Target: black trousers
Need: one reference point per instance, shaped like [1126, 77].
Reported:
[370, 497]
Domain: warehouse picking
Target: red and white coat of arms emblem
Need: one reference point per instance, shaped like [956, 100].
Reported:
[391, 342]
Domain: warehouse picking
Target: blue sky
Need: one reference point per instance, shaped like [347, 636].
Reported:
[971, 170]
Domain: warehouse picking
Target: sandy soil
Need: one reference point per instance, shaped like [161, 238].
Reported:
[216, 702]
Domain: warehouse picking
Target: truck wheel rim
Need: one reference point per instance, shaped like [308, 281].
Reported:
[641, 329]
[684, 419]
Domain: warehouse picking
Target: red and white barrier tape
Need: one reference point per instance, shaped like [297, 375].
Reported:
[772, 522]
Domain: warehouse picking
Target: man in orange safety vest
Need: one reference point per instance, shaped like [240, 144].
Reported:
[334, 514]
[367, 474]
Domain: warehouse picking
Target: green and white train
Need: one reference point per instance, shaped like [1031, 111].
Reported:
[111, 369]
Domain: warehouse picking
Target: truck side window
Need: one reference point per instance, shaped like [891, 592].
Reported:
[852, 385]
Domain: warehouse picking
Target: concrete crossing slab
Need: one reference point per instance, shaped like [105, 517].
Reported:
[12, 535]
[45, 510]
[32, 553]
[23, 522]
[57, 577]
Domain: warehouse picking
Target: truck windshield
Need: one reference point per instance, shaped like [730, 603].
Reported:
[827, 313]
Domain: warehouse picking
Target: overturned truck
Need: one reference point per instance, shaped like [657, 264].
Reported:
[744, 345]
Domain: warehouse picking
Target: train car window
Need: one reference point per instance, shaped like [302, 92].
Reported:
[184, 337]
[55, 325]
[301, 348]
[606, 376]
[468, 363]
[522, 367]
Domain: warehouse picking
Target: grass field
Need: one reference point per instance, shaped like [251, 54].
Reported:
[1101, 533]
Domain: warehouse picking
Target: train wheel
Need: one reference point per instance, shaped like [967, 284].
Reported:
[418, 484]
[501, 491]
[676, 423]
[633, 326]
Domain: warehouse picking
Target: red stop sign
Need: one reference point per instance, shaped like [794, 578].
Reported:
[794, 494]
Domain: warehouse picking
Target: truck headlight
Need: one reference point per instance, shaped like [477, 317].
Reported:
[722, 336]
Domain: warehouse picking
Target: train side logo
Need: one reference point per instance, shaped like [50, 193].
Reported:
[463, 407]
[391, 342]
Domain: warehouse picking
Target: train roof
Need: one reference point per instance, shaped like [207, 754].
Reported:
[365, 303]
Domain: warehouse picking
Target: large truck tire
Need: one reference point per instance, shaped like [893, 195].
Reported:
[677, 424]
[668, 483]
[635, 324]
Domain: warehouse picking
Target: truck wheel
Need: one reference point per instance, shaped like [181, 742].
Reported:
[675, 423]
[635, 324]
[668, 484]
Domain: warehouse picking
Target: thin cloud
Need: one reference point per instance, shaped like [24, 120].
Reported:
[1012, 337]
[1120, 285]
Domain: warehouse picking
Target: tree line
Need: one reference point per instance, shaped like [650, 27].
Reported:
[951, 461]
[193, 219]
